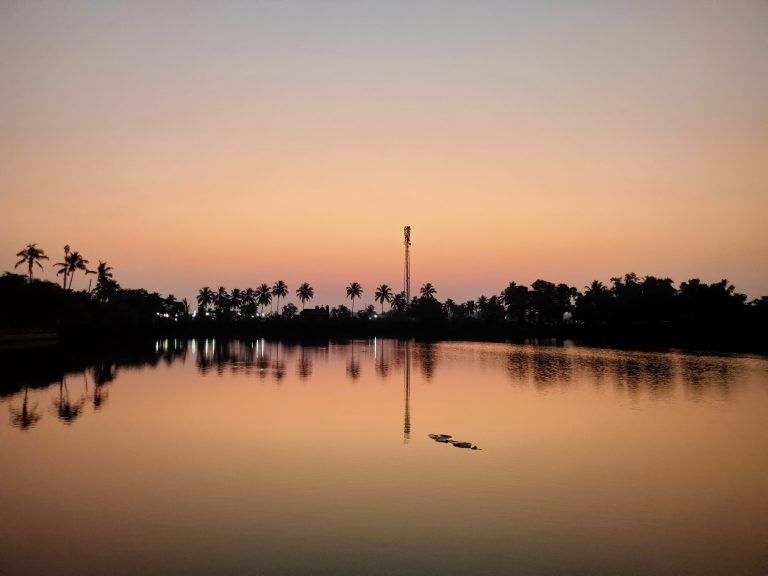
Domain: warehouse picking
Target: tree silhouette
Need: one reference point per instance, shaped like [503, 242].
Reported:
[248, 305]
[64, 267]
[31, 255]
[73, 261]
[354, 290]
[263, 295]
[595, 303]
[236, 299]
[305, 292]
[428, 291]
[105, 285]
[451, 309]
[221, 300]
[279, 290]
[399, 302]
[205, 297]
[289, 310]
[383, 294]
[515, 298]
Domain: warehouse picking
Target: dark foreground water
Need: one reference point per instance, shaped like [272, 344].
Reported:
[257, 458]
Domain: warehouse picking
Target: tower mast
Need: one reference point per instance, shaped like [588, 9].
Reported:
[407, 269]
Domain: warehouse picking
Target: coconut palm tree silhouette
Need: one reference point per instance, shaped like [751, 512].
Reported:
[236, 299]
[73, 261]
[279, 290]
[205, 297]
[31, 255]
[398, 302]
[383, 294]
[64, 267]
[263, 295]
[221, 299]
[428, 291]
[305, 292]
[105, 285]
[354, 290]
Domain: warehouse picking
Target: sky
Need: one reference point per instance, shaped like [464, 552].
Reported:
[194, 144]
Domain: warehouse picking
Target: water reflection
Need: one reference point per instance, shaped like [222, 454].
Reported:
[632, 373]
[304, 365]
[66, 410]
[24, 417]
[407, 387]
[27, 372]
[78, 381]
[427, 355]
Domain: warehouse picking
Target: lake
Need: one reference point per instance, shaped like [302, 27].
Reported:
[264, 458]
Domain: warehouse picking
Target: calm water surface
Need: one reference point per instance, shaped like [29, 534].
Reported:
[259, 458]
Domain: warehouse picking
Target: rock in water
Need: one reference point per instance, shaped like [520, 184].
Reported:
[447, 439]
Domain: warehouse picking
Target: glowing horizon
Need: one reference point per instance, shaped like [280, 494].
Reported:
[209, 145]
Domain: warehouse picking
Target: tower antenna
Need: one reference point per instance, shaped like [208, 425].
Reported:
[407, 269]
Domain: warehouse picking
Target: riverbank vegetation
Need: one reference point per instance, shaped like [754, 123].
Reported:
[628, 310]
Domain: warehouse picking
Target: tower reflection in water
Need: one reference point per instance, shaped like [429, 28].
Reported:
[407, 388]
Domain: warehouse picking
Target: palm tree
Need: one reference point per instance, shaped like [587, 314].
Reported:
[428, 291]
[305, 292]
[263, 295]
[205, 297]
[354, 290]
[279, 290]
[64, 266]
[383, 294]
[31, 255]
[103, 270]
[105, 285]
[75, 262]
[236, 299]
[398, 302]
[221, 299]
[248, 301]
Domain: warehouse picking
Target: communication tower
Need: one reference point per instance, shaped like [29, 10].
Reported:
[407, 268]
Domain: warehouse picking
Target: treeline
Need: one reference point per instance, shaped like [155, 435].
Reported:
[629, 310]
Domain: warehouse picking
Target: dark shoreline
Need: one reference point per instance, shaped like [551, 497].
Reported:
[301, 330]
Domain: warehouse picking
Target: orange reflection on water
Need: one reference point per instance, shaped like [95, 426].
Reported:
[264, 457]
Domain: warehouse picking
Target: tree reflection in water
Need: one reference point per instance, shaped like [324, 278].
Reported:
[24, 417]
[353, 362]
[633, 373]
[103, 372]
[428, 360]
[655, 375]
[305, 364]
[66, 410]
[32, 372]
[278, 366]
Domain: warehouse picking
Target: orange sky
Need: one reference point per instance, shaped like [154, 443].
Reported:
[205, 144]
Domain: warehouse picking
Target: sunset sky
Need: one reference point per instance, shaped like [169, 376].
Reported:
[195, 144]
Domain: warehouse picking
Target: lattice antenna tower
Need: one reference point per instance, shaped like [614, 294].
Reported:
[407, 267]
